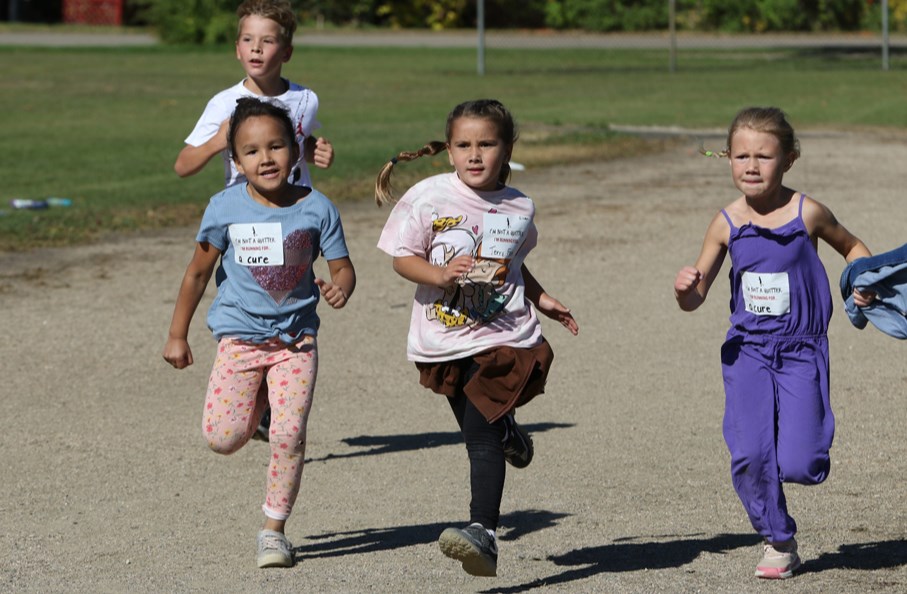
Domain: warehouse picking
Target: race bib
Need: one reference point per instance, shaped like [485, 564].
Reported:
[257, 244]
[766, 294]
[503, 234]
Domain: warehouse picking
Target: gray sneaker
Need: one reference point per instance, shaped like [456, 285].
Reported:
[274, 550]
[518, 448]
[474, 547]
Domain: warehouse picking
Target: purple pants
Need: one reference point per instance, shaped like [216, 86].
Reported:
[778, 424]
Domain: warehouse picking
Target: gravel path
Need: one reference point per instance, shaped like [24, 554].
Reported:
[108, 487]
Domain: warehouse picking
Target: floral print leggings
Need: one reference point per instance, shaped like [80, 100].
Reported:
[237, 397]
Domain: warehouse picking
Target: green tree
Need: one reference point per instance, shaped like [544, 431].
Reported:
[195, 21]
[440, 14]
[607, 15]
[783, 15]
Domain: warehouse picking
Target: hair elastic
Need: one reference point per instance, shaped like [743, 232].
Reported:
[708, 153]
[393, 160]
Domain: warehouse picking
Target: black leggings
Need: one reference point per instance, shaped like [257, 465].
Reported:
[484, 445]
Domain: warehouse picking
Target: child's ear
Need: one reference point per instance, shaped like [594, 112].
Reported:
[449, 156]
[288, 53]
[790, 162]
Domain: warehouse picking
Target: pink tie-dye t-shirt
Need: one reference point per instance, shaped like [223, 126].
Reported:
[441, 218]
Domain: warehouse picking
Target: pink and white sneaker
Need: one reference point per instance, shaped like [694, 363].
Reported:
[779, 560]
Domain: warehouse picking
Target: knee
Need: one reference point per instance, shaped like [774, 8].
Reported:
[224, 446]
[485, 451]
[223, 442]
[747, 460]
[805, 470]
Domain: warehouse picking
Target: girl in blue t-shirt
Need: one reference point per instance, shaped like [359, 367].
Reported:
[265, 234]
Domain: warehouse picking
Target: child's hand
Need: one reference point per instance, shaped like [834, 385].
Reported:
[863, 298]
[687, 280]
[456, 269]
[557, 311]
[323, 155]
[219, 140]
[178, 353]
[332, 293]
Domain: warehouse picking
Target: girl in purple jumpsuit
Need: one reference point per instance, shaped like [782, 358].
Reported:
[778, 423]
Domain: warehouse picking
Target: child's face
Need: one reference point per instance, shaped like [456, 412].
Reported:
[265, 156]
[757, 163]
[477, 152]
[260, 49]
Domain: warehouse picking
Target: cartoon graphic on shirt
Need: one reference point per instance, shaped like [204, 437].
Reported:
[474, 299]
[441, 224]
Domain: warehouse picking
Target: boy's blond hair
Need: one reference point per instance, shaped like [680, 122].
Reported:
[278, 11]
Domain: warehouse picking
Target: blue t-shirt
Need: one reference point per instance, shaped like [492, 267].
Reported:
[258, 302]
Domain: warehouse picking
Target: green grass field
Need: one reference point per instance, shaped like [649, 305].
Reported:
[103, 127]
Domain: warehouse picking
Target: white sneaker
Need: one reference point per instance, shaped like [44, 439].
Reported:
[779, 560]
[274, 549]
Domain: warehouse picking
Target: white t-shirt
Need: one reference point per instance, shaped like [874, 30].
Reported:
[300, 102]
[441, 218]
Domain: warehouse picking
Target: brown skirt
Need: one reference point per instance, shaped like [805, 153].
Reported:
[506, 377]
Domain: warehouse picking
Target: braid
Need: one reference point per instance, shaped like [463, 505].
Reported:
[383, 190]
[710, 153]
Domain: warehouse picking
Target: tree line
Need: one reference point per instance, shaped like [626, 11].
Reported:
[213, 21]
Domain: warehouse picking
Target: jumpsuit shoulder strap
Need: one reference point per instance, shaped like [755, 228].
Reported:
[728, 218]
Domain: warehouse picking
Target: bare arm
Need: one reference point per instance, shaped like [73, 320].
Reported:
[198, 273]
[338, 291]
[420, 271]
[822, 223]
[193, 159]
[691, 286]
[546, 304]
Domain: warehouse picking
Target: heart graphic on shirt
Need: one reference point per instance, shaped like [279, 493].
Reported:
[475, 229]
[279, 281]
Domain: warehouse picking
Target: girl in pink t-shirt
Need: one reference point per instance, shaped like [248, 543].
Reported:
[462, 237]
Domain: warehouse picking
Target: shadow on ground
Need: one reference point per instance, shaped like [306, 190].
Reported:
[867, 556]
[368, 540]
[624, 555]
[391, 444]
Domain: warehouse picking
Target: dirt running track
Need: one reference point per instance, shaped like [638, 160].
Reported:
[108, 487]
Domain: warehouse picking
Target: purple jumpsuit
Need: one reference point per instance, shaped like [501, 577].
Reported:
[778, 423]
